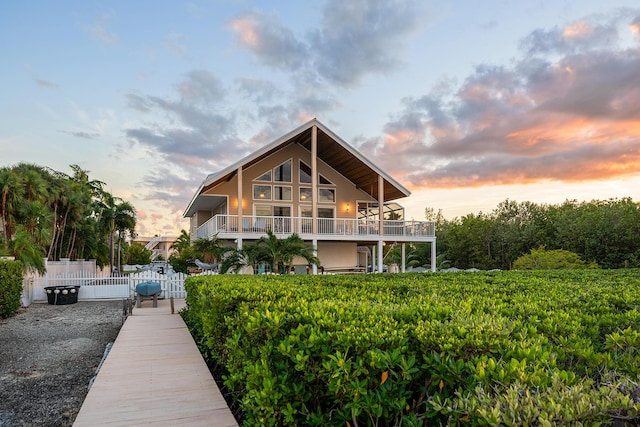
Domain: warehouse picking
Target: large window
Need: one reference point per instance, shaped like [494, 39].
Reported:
[261, 192]
[326, 195]
[326, 212]
[282, 173]
[306, 195]
[305, 173]
[281, 192]
[265, 177]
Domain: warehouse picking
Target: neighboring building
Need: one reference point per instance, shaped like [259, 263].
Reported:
[159, 245]
[312, 183]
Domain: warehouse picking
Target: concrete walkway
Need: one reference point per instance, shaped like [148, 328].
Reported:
[154, 374]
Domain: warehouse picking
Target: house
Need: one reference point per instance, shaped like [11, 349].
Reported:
[160, 246]
[309, 182]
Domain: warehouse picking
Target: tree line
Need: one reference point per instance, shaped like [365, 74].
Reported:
[49, 214]
[606, 232]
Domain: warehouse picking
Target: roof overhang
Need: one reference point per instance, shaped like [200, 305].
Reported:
[331, 149]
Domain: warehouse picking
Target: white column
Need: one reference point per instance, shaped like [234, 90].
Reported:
[314, 179]
[402, 269]
[314, 268]
[373, 258]
[433, 256]
[239, 244]
[381, 203]
[240, 203]
[380, 256]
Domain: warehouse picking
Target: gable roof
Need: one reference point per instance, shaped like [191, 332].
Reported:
[332, 150]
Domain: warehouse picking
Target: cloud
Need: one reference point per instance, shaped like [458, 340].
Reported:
[99, 29]
[45, 83]
[360, 37]
[569, 113]
[354, 39]
[270, 42]
[81, 134]
[175, 42]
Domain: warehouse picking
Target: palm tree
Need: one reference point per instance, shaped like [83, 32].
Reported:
[281, 252]
[125, 222]
[211, 250]
[182, 242]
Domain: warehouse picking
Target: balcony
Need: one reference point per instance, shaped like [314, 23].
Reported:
[253, 227]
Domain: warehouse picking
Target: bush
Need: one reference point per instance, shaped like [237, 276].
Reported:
[494, 348]
[556, 259]
[11, 273]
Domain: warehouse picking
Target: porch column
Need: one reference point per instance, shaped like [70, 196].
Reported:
[373, 258]
[433, 256]
[314, 179]
[380, 256]
[314, 268]
[402, 269]
[240, 203]
[239, 243]
[381, 203]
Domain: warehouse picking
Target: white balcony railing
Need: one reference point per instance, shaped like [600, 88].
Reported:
[256, 226]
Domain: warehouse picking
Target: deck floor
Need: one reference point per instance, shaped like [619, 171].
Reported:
[154, 374]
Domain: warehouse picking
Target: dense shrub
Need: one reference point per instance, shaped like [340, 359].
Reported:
[499, 348]
[11, 273]
[555, 259]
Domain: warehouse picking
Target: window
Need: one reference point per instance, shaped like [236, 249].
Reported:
[305, 173]
[306, 195]
[282, 173]
[326, 212]
[323, 180]
[282, 211]
[263, 210]
[281, 192]
[262, 192]
[265, 177]
[326, 195]
[306, 213]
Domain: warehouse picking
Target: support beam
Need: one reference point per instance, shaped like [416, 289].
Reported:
[314, 179]
[239, 244]
[381, 203]
[380, 258]
[433, 256]
[402, 269]
[373, 258]
[314, 242]
[239, 201]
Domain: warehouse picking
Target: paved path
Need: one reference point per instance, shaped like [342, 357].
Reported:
[154, 374]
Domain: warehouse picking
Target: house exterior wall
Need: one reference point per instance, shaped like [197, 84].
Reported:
[336, 255]
[345, 191]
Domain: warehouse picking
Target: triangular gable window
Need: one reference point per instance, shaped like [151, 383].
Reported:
[282, 173]
[305, 173]
[265, 177]
[324, 180]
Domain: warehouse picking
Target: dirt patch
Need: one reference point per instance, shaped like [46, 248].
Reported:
[48, 355]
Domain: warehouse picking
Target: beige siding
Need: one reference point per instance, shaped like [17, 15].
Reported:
[337, 254]
[346, 192]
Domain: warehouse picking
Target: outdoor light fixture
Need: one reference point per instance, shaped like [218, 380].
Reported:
[347, 208]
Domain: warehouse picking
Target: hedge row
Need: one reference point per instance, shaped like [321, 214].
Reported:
[11, 273]
[498, 348]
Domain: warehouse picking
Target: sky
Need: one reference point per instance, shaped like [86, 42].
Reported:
[465, 103]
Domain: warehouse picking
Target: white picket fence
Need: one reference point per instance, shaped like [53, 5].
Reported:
[96, 286]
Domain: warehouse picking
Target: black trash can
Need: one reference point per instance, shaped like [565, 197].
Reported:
[61, 295]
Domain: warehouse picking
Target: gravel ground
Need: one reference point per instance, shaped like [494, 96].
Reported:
[48, 355]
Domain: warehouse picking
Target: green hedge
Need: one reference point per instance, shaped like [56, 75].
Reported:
[500, 348]
[11, 273]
